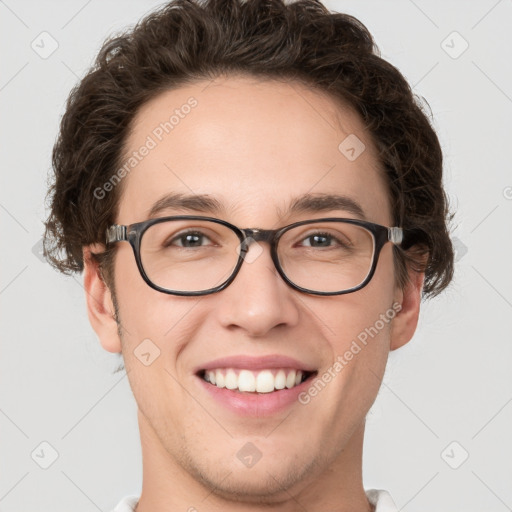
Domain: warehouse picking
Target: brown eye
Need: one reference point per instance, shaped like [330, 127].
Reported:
[189, 239]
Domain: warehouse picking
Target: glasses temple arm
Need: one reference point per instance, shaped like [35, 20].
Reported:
[116, 233]
[395, 235]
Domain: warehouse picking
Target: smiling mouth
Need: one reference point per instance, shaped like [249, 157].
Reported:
[256, 381]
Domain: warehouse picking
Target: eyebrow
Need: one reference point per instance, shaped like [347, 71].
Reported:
[307, 203]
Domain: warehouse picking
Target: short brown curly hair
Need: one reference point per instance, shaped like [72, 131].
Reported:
[191, 40]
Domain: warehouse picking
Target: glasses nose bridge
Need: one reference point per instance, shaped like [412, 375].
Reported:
[258, 235]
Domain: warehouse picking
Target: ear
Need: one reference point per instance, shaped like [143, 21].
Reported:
[405, 322]
[100, 306]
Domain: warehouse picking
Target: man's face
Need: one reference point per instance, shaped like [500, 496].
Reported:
[253, 146]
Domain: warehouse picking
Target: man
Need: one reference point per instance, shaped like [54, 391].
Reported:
[256, 201]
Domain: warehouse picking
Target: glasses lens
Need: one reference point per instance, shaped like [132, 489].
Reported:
[189, 255]
[326, 256]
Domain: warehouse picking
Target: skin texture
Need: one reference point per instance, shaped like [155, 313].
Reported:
[254, 145]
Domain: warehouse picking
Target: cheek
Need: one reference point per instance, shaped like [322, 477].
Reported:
[145, 313]
[155, 330]
[357, 327]
[355, 315]
[140, 306]
[154, 326]
[358, 341]
[359, 330]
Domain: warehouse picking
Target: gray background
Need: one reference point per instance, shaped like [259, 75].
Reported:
[445, 396]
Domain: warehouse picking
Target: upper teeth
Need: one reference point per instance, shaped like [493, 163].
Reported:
[263, 381]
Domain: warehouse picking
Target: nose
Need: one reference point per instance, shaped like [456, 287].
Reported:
[258, 299]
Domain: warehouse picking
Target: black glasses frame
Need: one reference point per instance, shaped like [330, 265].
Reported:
[133, 234]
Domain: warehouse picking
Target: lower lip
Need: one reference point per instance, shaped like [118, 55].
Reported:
[256, 404]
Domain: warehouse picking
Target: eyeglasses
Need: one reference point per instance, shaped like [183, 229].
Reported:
[194, 255]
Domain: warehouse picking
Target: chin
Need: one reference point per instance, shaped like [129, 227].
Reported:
[251, 489]
[265, 482]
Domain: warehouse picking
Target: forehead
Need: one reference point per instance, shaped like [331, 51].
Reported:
[254, 146]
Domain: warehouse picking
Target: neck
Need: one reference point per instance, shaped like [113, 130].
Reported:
[170, 485]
